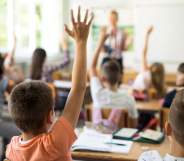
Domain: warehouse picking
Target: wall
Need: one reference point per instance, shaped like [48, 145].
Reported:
[167, 40]
[166, 44]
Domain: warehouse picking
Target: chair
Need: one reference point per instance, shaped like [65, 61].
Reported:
[105, 114]
[164, 117]
[53, 89]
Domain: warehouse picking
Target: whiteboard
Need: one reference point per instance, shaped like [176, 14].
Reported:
[167, 40]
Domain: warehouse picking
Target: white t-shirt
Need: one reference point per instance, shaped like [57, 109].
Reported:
[115, 43]
[105, 98]
[155, 156]
[142, 81]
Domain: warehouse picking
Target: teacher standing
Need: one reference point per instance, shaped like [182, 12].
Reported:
[112, 40]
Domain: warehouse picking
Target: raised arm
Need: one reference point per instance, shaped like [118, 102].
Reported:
[9, 60]
[145, 65]
[93, 69]
[12, 52]
[75, 99]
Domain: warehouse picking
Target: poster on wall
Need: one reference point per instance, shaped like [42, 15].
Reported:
[125, 23]
[128, 30]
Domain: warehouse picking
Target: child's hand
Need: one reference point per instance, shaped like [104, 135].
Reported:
[103, 34]
[80, 29]
[150, 30]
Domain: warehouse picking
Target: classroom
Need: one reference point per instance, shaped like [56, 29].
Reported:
[91, 80]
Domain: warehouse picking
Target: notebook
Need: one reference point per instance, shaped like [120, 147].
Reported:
[147, 136]
[90, 140]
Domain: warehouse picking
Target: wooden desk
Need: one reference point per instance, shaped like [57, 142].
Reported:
[135, 152]
[130, 75]
[152, 106]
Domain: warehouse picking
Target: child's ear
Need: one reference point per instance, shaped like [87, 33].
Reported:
[168, 129]
[103, 79]
[50, 117]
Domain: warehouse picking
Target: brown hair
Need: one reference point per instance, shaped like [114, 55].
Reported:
[158, 78]
[112, 72]
[30, 104]
[176, 117]
[38, 60]
[1, 66]
[181, 68]
[115, 13]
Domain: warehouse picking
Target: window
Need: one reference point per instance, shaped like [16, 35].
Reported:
[3, 24]
[23, 17]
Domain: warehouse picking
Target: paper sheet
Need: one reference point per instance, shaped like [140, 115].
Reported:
[94, 141]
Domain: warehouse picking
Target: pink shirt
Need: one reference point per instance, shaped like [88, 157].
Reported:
[52, 146]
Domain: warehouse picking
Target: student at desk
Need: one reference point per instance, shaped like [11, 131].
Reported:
[175, 130]
[151, 77]
[106, 92]
[41, 71]
[179, 83]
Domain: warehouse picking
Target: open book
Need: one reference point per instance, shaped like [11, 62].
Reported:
[147, 136]
[90, 140]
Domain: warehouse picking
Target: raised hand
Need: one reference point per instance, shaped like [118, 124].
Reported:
[150, 30]
[80, 28]
[104, 34]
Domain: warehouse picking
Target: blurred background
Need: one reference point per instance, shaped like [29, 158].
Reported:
[39, 23]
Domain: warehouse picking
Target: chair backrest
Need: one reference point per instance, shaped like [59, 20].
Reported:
[164, 116]
[123, 122]
[53, 89]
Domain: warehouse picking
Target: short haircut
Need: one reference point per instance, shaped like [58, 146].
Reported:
[114, 12]
[112, 72]
[176, 117]
[181, 68]
[30, 104]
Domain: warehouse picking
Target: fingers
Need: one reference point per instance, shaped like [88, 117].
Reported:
[68, 31]
[86, 16]
[79, 15]
[72, 17]
[91, 19]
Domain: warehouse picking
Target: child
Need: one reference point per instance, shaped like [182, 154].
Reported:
[31, 106]
[175, 130]
[106, 92]
[179, 83]
[12, 70]
[5, 85]
[40, 71]
[150, 76]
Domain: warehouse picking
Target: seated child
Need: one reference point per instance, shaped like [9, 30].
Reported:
[106, 93]
[31, 105]
[175, 130]
[5, 84]
[179, 83]
[42, 71]
[12, 70]
[150, 76]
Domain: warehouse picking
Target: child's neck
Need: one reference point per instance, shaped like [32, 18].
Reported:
[29, 136]
[176, 149]
[112, 88]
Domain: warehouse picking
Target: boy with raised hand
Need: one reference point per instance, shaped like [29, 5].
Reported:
[106, 92]
[31, 105]
[175, 131]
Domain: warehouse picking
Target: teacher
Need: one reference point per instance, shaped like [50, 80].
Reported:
[112, 40]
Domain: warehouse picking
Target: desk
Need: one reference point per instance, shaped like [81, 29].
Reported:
[134, 154]
[64, 88]
[150, 106]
